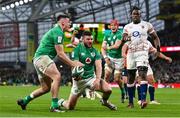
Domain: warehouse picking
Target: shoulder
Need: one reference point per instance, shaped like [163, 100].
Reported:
[79, 46]
[127, 26]
[146, 23]
[57, 29]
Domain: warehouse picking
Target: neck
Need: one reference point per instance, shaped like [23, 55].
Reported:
[60, 25]
[137, 22]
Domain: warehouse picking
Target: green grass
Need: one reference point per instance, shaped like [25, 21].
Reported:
[169, 98]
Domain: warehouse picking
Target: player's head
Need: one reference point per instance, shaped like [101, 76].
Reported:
[64, 21]
[135, 14]
[114, 24]
[87, 39]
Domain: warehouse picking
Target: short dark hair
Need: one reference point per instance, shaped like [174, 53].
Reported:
[134, 8]
[86, 33]
[59, 16]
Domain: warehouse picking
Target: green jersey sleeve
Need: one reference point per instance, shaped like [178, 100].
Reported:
[58, 36]
[98, 56]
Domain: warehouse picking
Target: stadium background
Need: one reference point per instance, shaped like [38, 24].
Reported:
[23, 22]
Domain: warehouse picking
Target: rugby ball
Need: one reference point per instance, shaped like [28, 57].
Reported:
[77, 71]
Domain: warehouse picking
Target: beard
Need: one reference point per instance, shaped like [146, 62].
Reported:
[88, 45]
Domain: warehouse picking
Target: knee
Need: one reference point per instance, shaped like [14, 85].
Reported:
[57, 76]
[46, 89]
[108, 91]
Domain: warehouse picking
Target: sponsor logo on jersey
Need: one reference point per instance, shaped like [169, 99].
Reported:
[135, 33]
[114, 37]
[82, 54]
[88, 60]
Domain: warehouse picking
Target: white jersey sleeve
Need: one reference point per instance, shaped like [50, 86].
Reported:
[150, 28]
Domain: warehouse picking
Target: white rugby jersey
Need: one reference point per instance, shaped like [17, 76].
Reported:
[138, 34]
[145, 45]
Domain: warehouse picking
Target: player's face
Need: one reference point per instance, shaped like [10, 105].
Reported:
[114, 27]
[67, 24]
[136, 15]
[88, 41]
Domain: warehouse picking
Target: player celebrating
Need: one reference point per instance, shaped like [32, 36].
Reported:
[137, 56]
[91, 78]
[48, 74]
[112, 55]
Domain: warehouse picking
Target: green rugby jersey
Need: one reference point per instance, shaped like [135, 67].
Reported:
[87, 56]
[53, 37]
[111, 38]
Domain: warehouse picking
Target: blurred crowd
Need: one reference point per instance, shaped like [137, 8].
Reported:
[170, 37]
[163, 72]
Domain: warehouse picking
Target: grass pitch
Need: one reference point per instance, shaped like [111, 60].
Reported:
[169, 107]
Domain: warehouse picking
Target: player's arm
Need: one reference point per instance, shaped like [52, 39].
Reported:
[64, 57]
[98, 68]
[74, 35]
[124, 50]
[116, 45]
[162, 56]
[103, 49]
[156, 40]
[154, 36]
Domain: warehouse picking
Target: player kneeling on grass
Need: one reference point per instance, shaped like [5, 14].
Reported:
[88, 76]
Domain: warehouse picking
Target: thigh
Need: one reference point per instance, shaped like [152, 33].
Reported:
[150, 79]
[79, 86]
[118, 63]
[41, 64]
[149, 72]
[130, 61]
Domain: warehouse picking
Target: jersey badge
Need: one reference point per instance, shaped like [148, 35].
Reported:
[92, 54]
[88, 60]
[59, 39]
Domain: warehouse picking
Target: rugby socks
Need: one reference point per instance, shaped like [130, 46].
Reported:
[143, 90]
[27, 99]
[122, 90]
[125, 89]
[54, 103]
[131, 89]
[139, 92]
[151, 92]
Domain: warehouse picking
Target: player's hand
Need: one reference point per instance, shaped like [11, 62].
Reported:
[105, 47]
[77, 78]
[75, 32]
[77, 63]
[96, 84]
[169, 59]
[124, 56]
[128, 38]
[107, 60]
